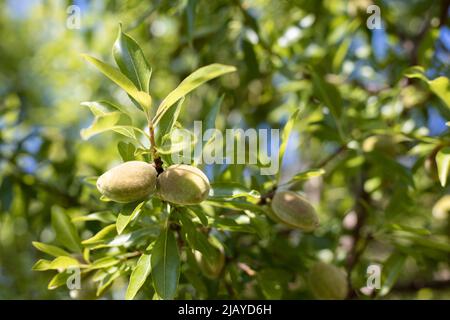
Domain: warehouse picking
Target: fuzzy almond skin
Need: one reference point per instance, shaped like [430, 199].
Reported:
[183, 184]
[211, 269]
[128, 182]
[381, 143]
[294, 211]
[328, 282]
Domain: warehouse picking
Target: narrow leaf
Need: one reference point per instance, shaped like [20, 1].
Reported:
[138, 276]
[66, 233]
[122, 81]
[49, 249]
[131, 61]
[443, 164]
[127, 214]
[193, 81]
[285, 137]
[165, 263]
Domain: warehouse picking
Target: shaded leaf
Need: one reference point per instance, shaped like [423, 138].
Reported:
[165, 261]
[66, 233]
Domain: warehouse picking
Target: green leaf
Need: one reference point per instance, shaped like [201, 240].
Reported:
[64, 263]
[58, 280]
[196, 239]
[228, 224]
[66, 233]
[138, 276]
[101, 108]
[41, 265]
[198, 212]
[176, 142]
[57, 264]
[108, 280]
[443, 164]
[236, 204]
[285, 137]
[439, 86]
[106, 120]
[210, 119]
[306, 175]
[126, 151]
[6, 193]
[417, 231]
[327, 93]
[101, 124]
[167, 122]
[122, 81]
[428, 242]
[194, 80]
[106, 233]
[131, 61]
[165, 263]
[49, 249]
[392, 269]
[102, 216]
[231, 190]
[128, 213]
[104, 262]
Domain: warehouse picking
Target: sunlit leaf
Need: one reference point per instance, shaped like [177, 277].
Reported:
[285, 137]
[49, 249]
[122, 81]
[306, 175]
[194, 80]
[131, 61]
[443, 164]
[100, 237]
[128, 213]
[439, 86]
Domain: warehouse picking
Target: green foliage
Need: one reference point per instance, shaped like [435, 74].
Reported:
[312, 70]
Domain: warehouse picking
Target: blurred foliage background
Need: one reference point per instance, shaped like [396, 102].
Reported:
[377, 203]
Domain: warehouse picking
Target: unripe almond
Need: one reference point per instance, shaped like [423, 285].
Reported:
[294, 211]
[183, 184]
[328, 282]
[382, 143]
[127, 182]
[211, 266]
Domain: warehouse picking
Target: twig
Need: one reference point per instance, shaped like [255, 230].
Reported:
[325, 161]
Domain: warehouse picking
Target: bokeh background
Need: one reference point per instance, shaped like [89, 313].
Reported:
[43, 80]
